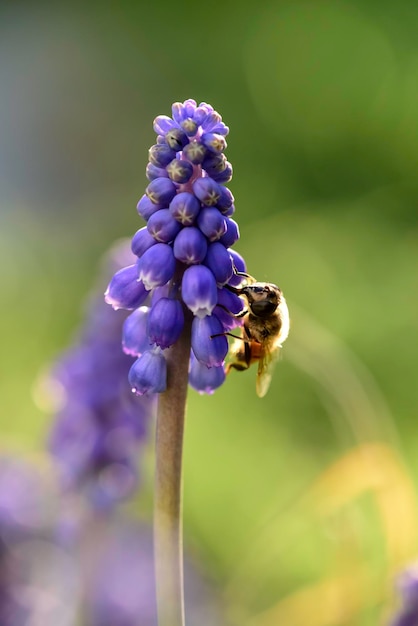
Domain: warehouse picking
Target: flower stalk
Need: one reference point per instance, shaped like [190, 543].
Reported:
[168, 536]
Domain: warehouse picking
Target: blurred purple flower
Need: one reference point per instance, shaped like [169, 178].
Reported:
[101, 570]
[122, 588]
[187, 209]
[408, 586]
[100, 425]
[37, 577]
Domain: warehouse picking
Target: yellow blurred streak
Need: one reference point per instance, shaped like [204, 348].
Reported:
[374, 468]
[331, 602]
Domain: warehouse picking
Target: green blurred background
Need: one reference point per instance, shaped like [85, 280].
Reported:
[301, 506]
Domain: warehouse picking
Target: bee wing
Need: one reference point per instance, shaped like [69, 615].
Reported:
[270, 353]
[268, 360]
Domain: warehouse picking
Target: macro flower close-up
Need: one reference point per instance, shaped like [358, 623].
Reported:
[208, 275]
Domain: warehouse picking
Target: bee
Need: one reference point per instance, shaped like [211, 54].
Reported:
[265, 328]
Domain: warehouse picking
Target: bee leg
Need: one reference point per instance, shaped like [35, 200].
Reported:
[243, 274]
[246, 338]
[236, 315]
[229, 335]
[236, 290]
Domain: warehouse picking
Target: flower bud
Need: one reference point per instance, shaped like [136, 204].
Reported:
[146, 208]
[135, 339]
[152, 172]
[205, 379]
[185, 207]
[212, 223]
[195, 152]
[209, 345]
[176, 139]
[180, 171]
[165, 322]
[160, 155]
[161, 191]
[190, 246]
[219, 261]
[162, 226]
[214, 142]
[198, 290]
[232, 233]
[149, 373]
[225, 176]
[141, 241]
[207, 190]
[125, 291]
[157, 265]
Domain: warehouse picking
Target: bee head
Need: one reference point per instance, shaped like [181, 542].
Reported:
[263, 298]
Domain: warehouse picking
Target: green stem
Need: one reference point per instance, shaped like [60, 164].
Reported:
[168, 540]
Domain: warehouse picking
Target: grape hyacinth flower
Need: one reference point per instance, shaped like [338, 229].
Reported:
[100, 425]
[184, 252]
[181, 306]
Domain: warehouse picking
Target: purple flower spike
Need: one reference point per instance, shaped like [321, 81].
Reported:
[188, 235]
[185, 207]
[219, 261]
[157, 266]
[198, 290]
[162, 226]
[141, 241]
[149, 373]
[125, 291]
[207, 190]
[208, 348]
[205, 379]
[190, 246]
[135, 339]
[165, 322]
